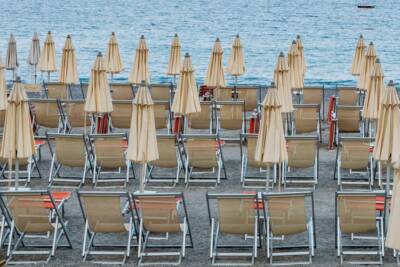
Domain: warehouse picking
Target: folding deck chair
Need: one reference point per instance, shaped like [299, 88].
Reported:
[162, 213]
[56, 90]
[348, 96]
[286, 214]
[355, 155]
[233, 215]
[231, 115]
[357, 219]
[34, 214]
[307, 119]
[161, 92]
[203, 120]
[162, 115]
[70, 150]
[315, 95]
[74, 113]
[47, 114]
[303, 153]
[203, 152]
[122, 114]
[122, 91]
[348, 120]
[103, 215]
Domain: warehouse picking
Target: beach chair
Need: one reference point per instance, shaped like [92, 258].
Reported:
[33, 87]
[56, 90]
[223, 94]
[315, 95]
[233, 215]
[348, 96]
[162, 115]
[47, 114]
[70, 151]
[348, 121]
[203, 120]
[74, 114]
[303, 153]
[122, 91]
[161, 92]
[287, 215]
[231, 116]
[122, 114]
[354, 154]
[162, 214]
[307, 119]
[359, 227]
[169, 157]
[104, 215]
[251, 95]
[109, 158]
[35, 214]
[84, 88]
[203, 156]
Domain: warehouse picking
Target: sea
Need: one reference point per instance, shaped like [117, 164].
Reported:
[329, 30]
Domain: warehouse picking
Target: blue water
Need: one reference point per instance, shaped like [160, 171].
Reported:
[329, 29]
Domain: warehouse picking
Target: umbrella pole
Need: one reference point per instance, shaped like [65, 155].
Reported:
[35, 73]
[142, 176]
[16, 173]
[48, 76]
[267, 182]
[387, 177]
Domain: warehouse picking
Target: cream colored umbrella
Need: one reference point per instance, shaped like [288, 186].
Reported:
[372, 103]
[113, 61]
[271, 144]
[3, 87]
[47, 60]
[18, 142]
[68, 70]
[282, 83]
[367, 65]
[140, 69]
[295, 67]
[387, 141]
[142, 146]
[34, 53]
[11, 57]
[215, 72]
[236, 66]
[357, 57]
[393, 233]
[174, 60]
[300, 47]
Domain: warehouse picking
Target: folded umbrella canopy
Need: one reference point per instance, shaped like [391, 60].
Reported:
[113, 61]
[3, 87]
[236, 66]
[140, 69]
[367, 65]
[357, 57]
[34, 53]
[393, 233]
[295, 67]
[11, 57]
[300, 47]
[18, 142]
[68, 70]
[47, 60]
[142, 146]
[215, 71]
[174, 60]
[282, 83]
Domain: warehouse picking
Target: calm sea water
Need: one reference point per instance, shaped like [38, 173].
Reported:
[329, 29]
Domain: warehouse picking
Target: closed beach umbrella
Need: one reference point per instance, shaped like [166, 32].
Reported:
[393, 233]
[367, 65]
[215, 71]
[68, 70]
[174, 60]
[140, 69]
[236, 66]
[11, 57]
[374, 94]
[300, 47]
[3, 87]
[358, 55]
[34, 53]
[295, 67]
[142, 146]
[47, 60]
[18, 142]
[186, 100]
[113, 61]
[282, 83]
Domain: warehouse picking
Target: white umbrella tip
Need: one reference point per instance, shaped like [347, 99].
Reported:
[294, 42]
[298, 36]
[377, 61]
[391, 83]
[18, 79]
[49, 32]
[112, 33]
[68, 36]
[281, 54]
[99, 54]
[237, 36]
[217, 40]
[272, 85]
[142, 37]
[361, 36]
[187, 55]
[176, 35]
[371, 43]
[143, 83]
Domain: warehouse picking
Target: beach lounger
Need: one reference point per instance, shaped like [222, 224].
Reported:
[71, 151]
[223, 94]
[359, 228]
[162, 115]
[122, 91]
[35, 214]
[354, 154]
[104, 215]
[203, 120]
[56, 90]
[348, 96]
[74, 114]
[348, 120]
[233, 215]
[314, 95]
[162, 214]
[203, 156]
[33, 87]
[161, 92]
[288, 214]
[307, 119]
[303, 153]
[122, 114]
[231, 115]
[47, 114]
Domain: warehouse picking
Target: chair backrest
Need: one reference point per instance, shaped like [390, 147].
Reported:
[347, 96]
[202, 151]
[251, 150]
[356, 212]
[2, 117]
[32, 87]
[287, 213]
[122, 91]
[103, 211]
[167, 152]
[302, 151]
[159, 212]
[202, 119]
[355, 153]
[161, 114]
[70, 149]
[109, 150]
[306, 118]
[160, 92]
[313, 95]
[250, 96]
[75, 112]
[348, 118]
[57, 91]
[223, 93]
[122, 114]
[231, 114]
[47, 112]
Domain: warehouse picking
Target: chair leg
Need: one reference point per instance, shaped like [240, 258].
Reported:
[53, 248]
[212, 238]
[84, 239]
[184, 237]
[10, 239]
[128, 249]
[140, 239]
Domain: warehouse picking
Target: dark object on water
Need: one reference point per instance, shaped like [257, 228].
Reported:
[366, 6]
